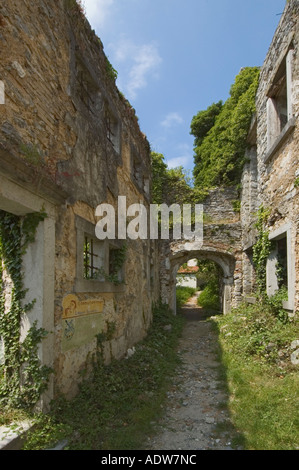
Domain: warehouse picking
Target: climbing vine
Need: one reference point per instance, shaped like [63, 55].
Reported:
[22, 378]
[261, 250]
[221, 134]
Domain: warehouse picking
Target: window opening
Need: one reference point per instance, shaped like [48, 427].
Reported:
[91, 260]
[279, 105]
[282, 263]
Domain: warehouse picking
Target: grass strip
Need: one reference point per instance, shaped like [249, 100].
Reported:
[183, 294]
[255, 350]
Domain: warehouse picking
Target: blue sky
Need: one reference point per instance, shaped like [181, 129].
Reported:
[176, 57]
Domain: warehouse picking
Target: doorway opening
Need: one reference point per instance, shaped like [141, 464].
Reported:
[199, 282]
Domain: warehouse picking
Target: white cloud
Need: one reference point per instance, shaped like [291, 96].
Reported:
[187, 149]
[123, 50]
[135, 63]
[146, 62]
[172, 119]
[178, 161]
[97, 11]
[185, 158]
[141, 62]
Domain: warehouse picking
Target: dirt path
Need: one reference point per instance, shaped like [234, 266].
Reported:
[195, 405]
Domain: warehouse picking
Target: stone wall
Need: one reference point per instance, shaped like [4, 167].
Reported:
[273, 169]
[69, 141]
[66, 122]
[221, 243]
[219, 206]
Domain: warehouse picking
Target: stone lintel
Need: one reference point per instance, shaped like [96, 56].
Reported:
[20, 172]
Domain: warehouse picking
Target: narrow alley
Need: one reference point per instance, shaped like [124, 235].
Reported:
[196, 417]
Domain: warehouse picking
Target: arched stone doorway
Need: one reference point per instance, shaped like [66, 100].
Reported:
[182, 253]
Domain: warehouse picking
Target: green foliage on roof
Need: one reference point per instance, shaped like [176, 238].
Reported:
[221, 132]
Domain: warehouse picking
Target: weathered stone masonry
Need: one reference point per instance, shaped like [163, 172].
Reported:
[69, 141]
[270, 177]
[221, 243]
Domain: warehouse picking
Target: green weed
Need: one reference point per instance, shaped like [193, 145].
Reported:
[262, 381]
[183, 294]
[209, 297]
[118, 407]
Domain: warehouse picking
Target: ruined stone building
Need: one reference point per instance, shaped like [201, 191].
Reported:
[69, 142]
[270, 179]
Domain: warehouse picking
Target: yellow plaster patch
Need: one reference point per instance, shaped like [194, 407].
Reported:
[73, 307]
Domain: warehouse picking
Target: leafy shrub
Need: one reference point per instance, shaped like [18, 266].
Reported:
[220, 149]
[257, 330]
[255, 347]
[209, 297]
[275, 304]
[117, 406]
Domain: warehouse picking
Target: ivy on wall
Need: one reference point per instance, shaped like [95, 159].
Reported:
[22, 378]
[261, 250]
[221, 134]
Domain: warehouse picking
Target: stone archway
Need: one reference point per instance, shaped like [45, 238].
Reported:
[180, 253]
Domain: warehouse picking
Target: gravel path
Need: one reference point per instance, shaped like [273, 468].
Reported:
[195, 405]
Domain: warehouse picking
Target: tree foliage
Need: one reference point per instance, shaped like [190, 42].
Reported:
[209, 277]
[172, 185]
[220, 133]
[203, 122]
